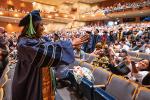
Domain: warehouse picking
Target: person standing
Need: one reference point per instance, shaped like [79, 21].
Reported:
[36, 55]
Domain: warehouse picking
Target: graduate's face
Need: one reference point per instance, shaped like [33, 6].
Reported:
[40, 28]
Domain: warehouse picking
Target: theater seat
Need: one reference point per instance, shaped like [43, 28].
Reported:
[101, 78]
[136, 59]
[143, 94]
[133, 54]
[87, 65]
[144, 56]
[100, 94]
[89, 58]
[120, 88]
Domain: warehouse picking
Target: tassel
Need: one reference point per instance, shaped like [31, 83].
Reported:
[31, 32]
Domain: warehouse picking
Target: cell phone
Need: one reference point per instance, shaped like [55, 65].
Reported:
[133, 63]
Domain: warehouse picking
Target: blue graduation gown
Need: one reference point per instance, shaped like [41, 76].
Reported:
[34, 54]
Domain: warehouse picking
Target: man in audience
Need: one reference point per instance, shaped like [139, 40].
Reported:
[3, 51]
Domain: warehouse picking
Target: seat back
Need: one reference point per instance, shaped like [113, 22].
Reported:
[144, 56]
[101, 76]
[100, 94]
[121, 88]
[87, 65]
[133, 54]
[76, 62]
[143, 94]
[136, 59]
[89, 58]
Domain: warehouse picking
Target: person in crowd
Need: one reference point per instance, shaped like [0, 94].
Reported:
[140, 71]
[33, 75]
[95, 39]
[118, 64]
[87, 46]
[56, 37]
[3, 51]
[111, 37]
[119, 35]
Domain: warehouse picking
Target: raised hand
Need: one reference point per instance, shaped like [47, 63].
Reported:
[79, 41]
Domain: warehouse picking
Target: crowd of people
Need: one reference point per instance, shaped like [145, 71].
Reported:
[111, 44]
[119, 7]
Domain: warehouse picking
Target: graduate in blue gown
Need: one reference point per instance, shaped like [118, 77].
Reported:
[89, 46]
[36, 55]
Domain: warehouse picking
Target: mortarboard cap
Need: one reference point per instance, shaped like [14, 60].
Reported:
[35, 17]
[28, 20]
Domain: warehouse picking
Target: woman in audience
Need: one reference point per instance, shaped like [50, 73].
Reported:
[140, 72]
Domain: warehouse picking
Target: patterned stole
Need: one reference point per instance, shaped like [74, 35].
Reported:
[52, 57]
[119, 36]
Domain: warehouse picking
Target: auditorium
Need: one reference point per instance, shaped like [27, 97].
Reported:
[74, 49]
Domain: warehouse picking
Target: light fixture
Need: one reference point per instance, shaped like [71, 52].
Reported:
[16, 15]
[56, 15]
[93, 15]
[82, 16]
[33, 3]
[10, 2]
[66, 16]
[49, 16]
[1, 13]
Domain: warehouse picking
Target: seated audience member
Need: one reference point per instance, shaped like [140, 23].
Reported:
[118, 64]
[147, 49]
[79, 53]
[140, 72]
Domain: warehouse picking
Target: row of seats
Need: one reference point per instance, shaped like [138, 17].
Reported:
[136, 56]
[139, 55]
[116, 87]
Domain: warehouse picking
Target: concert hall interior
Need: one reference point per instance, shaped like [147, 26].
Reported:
[74, 49]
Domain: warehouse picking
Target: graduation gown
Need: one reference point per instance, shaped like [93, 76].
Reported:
[35, 56]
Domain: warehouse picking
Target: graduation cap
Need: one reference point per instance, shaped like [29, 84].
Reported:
[28, 20]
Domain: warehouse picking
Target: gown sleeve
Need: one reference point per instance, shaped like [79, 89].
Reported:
[46, 53]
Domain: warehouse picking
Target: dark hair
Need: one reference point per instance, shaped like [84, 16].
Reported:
[97, 30]
[89, 32]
